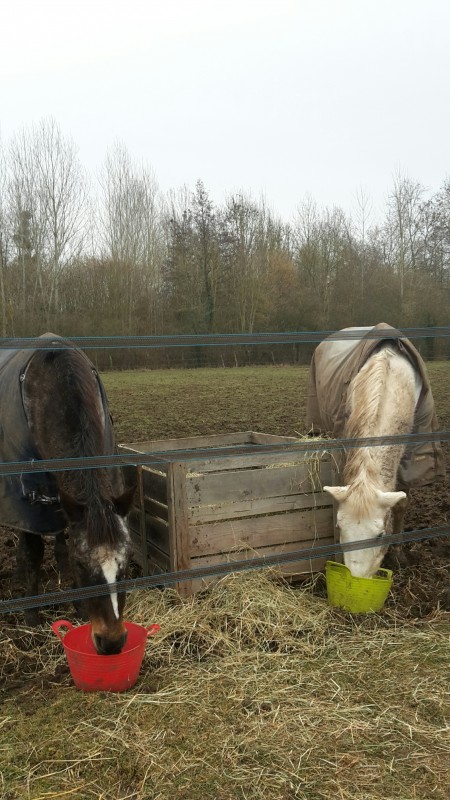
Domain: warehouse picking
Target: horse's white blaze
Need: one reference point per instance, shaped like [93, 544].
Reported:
[110, 564]
[110, 569]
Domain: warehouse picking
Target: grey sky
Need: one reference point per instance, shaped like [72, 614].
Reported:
[285, 98]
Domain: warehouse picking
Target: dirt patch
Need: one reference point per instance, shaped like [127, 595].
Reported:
[422, 585]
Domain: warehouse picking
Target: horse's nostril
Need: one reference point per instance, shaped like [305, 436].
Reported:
[109, 647]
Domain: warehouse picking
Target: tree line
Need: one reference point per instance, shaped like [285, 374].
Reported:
[115, 256]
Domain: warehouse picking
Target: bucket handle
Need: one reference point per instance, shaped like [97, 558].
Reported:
[153, 629]
[61, 623]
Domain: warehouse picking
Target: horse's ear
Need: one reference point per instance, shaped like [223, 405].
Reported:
[74, 510]
[123, 503]
[339, 493]
[390, 499]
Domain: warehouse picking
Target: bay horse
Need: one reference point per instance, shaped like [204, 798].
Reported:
[367, 385]
[56, 407]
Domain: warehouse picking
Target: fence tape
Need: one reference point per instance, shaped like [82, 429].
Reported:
[261, 562]
[220, 339]
[157, 458]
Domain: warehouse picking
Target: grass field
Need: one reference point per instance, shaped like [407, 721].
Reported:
[254, 691]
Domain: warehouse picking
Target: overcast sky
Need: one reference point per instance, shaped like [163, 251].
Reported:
[287, 98]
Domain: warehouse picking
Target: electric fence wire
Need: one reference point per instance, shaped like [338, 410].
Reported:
[309, 446]
[167, 578]
[220, 339]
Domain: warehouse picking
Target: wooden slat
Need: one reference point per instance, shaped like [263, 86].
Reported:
[250, 459]
[160, 510]
[278, 530]
[179, 545]
[154, 485]
[142, 531]
[270, 438]
[246, 554]
[241, 450]
[212, 488]
[262, 505]
[335, 481]
[156, 530]
[188, 443]
[157, 561]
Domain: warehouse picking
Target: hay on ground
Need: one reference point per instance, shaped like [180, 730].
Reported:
[252, 690]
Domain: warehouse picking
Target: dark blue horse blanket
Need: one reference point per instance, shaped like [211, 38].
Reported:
[30, 502]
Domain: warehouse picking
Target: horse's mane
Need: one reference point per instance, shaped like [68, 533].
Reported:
[365, 400]
[75, 429]
[75, 399]
[366, 393]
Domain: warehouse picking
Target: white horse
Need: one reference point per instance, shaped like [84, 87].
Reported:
[381, 401]
[367, 382]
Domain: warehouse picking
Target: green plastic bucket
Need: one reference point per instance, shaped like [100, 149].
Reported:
[359, 595]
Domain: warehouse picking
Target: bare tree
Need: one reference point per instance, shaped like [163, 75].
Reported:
[48, 206]
[324, 251]
[437, 241]
[183, 268]
[244, 231]
[363, 213]
[131, 231]
[4, 239]
[404, 228]
[63, 200]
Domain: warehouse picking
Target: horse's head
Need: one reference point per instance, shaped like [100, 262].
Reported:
[357, 521]
[99, 542]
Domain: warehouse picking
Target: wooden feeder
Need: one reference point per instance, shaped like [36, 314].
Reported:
[217, 499]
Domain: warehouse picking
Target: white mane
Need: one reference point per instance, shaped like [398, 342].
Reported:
[381, 401]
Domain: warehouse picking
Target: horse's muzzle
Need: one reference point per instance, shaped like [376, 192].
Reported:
[106, 646]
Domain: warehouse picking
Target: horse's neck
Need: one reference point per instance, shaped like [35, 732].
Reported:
[382, 400]
[373, 468]
[65, 414]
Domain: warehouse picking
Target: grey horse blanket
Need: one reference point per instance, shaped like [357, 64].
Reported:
[30, 502]
[335, 363]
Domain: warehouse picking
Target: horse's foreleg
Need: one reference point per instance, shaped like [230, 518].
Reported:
[62, 554]
[29, 559]
[398, 555]
[398, 515]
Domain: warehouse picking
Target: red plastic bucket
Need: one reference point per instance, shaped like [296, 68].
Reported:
[92, 672]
